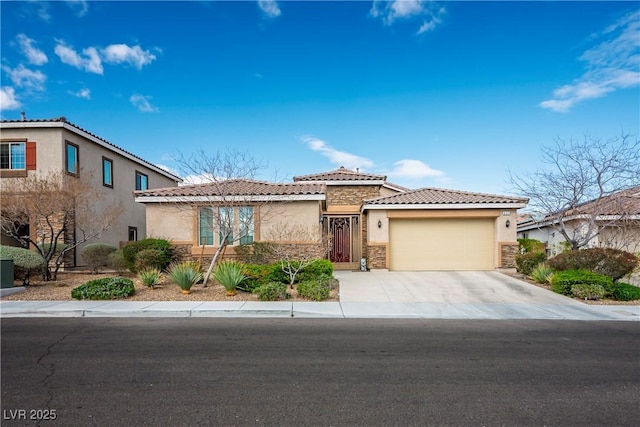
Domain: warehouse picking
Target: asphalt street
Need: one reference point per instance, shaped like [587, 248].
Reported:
[319, 372]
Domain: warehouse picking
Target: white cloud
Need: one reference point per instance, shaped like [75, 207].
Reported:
[8, 99]
[80, 7]
[168, 169]
[82, 93]
[269, 7]
[610, 65]
[90, 62]
[40, 9]
[196, 179]
[25, 78]
[391, 11]
[413, 169]
[34, 55]
[142, 103]
[340, 158]
[121, 53]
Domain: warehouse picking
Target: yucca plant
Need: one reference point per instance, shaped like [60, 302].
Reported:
[185, 274]
[150, 276]
[229, 274]
[542, 273]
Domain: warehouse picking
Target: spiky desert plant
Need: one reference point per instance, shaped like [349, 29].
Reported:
[542, 273]
[229, 274]
[185, 274]
[150, 276]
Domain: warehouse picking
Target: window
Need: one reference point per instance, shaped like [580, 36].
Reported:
[71, 159]
[205, 222]
[133, 234]
[107, 172]
[142, 181]
[222, 221]
[226, 224]
[13, 155]
[246, 225]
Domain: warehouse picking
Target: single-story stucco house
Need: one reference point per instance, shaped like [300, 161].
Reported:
[358, 217]
[613, 221]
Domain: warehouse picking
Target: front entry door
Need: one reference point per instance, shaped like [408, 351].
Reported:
[344, 247]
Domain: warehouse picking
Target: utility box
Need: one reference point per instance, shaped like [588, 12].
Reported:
[6, 273]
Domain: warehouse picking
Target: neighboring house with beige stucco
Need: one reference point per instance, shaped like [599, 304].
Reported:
[612, 221]
[359, 216]
[42, 147]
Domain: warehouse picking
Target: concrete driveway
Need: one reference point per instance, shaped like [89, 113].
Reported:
[452, 287]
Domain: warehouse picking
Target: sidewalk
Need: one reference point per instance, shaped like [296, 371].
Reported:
[375, 294]
[415, 310]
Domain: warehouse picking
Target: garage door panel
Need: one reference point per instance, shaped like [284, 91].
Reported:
[442, 244]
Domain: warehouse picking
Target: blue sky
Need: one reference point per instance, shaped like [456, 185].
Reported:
[439, 94]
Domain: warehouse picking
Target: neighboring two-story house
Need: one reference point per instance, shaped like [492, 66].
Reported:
[43, 147]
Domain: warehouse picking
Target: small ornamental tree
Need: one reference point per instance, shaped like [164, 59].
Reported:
[54, 214]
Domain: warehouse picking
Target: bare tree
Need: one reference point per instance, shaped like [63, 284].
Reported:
[589, 182]
[54, 214]
[296, 246]
[227, 205]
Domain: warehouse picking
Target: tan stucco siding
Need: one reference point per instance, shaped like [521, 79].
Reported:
[49, 148]
[173, 222]
[300, 216]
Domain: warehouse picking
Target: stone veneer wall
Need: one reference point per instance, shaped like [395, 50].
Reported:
[377, 256]
[508, 252]
[294, 250]
[42, 228]
[350, 194]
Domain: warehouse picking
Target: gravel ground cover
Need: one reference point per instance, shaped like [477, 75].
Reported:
[60, 290]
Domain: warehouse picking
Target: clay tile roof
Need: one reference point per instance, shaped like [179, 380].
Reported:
[237, 187]
[625, 202]
[340, 174]
[438, 196]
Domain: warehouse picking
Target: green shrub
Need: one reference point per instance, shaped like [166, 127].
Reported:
[527, 261]
[531, 245]
[255, 253]
[116, 261]
[150, 277]
[272, 291]
[317, 269]
[592, 292]
[26, 263]
[96, 255]
[255, 275]
[317, 289]
[151, 258]
[621, 291]
[229, 274]
[562, 281]
[104, 289]
[185, 274]
[609, 262]
[132, 248]
[542, 273]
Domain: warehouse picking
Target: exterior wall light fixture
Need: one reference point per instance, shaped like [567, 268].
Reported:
[379, 223]
[508, 223]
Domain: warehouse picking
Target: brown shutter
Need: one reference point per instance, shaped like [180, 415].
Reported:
[31, 156]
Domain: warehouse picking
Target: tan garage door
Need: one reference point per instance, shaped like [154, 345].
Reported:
[442, 244]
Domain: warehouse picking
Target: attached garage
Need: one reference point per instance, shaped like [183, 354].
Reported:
[442, 244]
[436, 229]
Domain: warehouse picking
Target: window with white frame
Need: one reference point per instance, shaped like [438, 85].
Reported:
[13, 155]
[236, 223]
